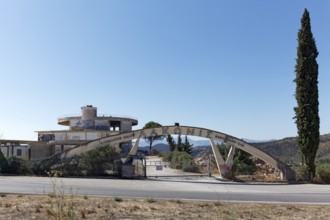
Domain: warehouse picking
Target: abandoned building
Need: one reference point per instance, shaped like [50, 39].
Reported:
[82, 128]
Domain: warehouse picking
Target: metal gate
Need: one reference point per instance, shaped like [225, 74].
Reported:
[155, 167]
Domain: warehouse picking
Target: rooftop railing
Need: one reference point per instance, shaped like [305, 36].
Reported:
[98, 115]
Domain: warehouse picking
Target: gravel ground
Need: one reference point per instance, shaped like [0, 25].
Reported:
[72, 207]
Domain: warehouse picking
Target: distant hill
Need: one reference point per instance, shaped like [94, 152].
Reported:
[159, 147]
[288, 151]
[285, 150]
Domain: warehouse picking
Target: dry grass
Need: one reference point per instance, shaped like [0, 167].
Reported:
[39, 207]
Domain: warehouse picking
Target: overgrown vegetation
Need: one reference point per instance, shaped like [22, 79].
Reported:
[15, 165]
[181, 160]
[242, 164]
[323, 173]
[180, 155]
[97, 162]
[288, 151]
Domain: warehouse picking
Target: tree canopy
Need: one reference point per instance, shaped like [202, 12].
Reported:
[150, 140]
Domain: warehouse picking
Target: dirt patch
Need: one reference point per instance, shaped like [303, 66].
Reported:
[84, 207]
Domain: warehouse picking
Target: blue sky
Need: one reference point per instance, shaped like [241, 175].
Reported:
[223, 65]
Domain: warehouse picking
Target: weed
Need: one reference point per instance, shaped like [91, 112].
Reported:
[151, 200]
[178, 201]
[51, 195]
[83, 213]
[38, 210]
[204, 205]
[61, 206]
[217, 203]
[49, 212]
[135, 207]
[85, 197]
[118, 199]
[3, 195]
[92, 211]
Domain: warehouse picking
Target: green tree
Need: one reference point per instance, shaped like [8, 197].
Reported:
[187, 146]
[151, 139]
[307, 110]
[97, 161]
[183, 160]
[243, 163]
[171, 142]
[179, 143]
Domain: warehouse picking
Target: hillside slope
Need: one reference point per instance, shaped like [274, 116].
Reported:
[287, 150]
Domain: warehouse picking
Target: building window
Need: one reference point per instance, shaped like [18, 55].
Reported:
[19, 152]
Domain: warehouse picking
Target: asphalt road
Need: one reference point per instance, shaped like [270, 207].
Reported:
[173, 188]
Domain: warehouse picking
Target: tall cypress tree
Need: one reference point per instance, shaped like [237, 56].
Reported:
[307, 110]
[171, 142]
[179, 143]
[187, 146]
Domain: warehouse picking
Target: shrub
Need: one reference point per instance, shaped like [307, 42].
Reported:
[243, 163]
[3, 163]
[151, 200]
[301, 172]
[94, 162]
[97, 161]
[323, 173]
[19, 166]
[167, 156]
[191, 167]
[118, 199]
[183, 160]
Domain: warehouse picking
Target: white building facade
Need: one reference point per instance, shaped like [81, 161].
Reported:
[82, 128]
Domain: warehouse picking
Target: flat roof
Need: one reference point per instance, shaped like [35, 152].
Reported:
[64, 120]
[75, 131]
[18, 141]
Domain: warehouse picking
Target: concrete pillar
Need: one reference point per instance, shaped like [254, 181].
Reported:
[218, 158]
[230, 157]
[209, 167]
[134, 149]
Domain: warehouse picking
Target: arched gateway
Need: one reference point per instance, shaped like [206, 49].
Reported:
[223, 166]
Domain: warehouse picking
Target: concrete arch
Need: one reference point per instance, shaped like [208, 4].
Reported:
[287, 172]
